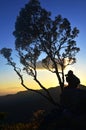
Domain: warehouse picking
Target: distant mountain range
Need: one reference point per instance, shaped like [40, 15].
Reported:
[20, 106]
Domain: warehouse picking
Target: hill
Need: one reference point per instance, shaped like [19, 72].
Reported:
[20, 106]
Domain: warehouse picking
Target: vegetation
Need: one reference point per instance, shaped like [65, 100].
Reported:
[19, 126]
[38, 35]
[73, 116]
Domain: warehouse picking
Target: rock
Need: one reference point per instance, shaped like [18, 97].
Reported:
[74, 100]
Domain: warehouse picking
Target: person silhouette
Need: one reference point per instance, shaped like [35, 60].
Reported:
[73, 80]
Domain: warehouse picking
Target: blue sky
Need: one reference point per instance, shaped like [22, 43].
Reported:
[73, 10]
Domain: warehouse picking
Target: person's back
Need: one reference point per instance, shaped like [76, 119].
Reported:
[72, 80]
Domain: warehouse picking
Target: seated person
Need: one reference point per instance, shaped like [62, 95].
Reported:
[72, 80]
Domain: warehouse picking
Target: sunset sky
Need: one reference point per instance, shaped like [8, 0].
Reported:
[73, 10]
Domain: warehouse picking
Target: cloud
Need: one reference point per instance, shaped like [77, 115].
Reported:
[39, 65]
[42, 66]
[48, 63]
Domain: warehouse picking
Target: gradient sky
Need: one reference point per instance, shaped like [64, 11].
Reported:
[73, 10]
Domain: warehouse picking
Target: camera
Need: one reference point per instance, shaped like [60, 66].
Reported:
[66, 75]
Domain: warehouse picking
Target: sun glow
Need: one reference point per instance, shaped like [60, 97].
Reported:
[10, 82]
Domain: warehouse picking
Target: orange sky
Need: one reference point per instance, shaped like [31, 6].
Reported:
[10, 82]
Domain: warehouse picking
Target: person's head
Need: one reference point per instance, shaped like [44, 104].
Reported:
[70, 72]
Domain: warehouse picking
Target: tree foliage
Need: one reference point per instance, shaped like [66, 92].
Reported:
[36, 34]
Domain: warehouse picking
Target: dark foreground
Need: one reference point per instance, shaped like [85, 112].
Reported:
[28, 111]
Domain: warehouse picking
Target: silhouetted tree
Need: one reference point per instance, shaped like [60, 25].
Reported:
[37, 34]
